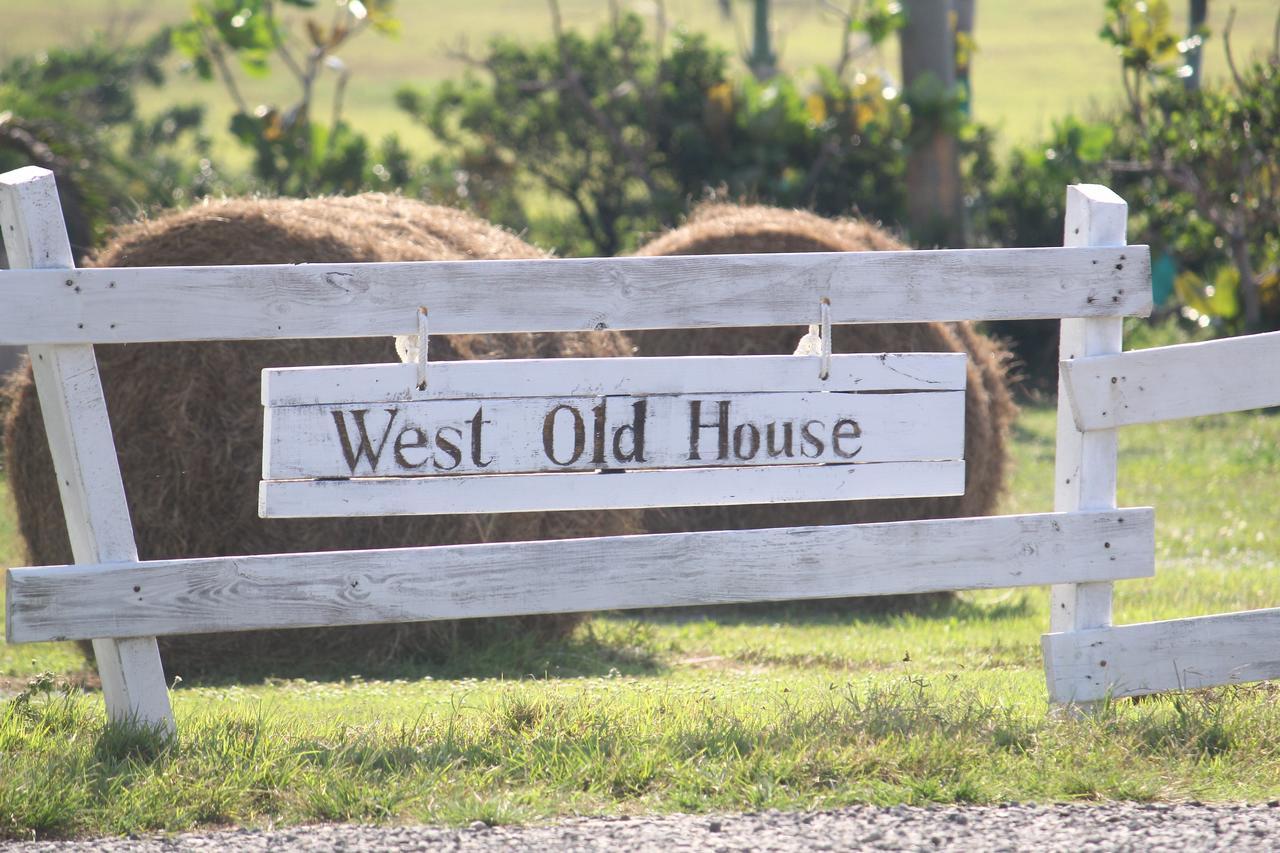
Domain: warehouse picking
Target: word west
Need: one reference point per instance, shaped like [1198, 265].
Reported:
[505, 435]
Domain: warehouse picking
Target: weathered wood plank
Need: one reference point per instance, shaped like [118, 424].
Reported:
[84, 454]
[414, 584]
[1085, 464]
[1148, 657]
[352, 300]
[534, 434]
[590, 377]
[1166, 383]
[622, 490]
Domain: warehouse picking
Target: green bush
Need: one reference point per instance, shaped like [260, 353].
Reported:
[74, 111]
[1199, 167]
[1024, 205]
[1207, 190]
[625, 135]
[235, 42]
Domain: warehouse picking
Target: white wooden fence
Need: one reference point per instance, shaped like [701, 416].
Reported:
[122, 603]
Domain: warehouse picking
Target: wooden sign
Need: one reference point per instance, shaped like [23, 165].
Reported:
[511, 435]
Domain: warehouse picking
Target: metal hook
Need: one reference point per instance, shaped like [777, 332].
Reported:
[818, 341]
[824, 370]
[422, 347]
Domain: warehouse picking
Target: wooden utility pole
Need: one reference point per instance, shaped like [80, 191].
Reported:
[964, 17]
[934, 200]
[763, 61]
[1199, 11]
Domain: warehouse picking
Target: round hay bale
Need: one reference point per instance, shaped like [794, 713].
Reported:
[989, 409]
[187, 421]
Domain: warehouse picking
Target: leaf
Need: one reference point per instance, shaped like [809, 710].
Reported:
[966, 47]
[1224, 298]
[255, 62]
[1095, 140]
[1219, 299]
[882, 19]
[1187, 287]
[1142, 29]
[186, 40]
[720, 98]
[816, 106]
[245, 127]
[315, 33]
[385, 24]
[273, 126]
[203, 66]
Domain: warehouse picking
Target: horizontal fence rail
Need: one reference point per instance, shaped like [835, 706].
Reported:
[655, 570]
[125, 305]
[1150, 657]
[444, 495]
[586, 377]
[1168, 383]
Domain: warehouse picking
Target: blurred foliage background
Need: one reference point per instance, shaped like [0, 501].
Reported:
[588, 126]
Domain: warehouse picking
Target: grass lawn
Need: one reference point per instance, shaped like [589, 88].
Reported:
[787, 707]
[1037, 60]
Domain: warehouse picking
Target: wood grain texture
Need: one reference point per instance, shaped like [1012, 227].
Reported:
[448, 582]
[1149, 657]
[623, 490]
[1085, 464]
[590, 377]
[80, 442]
[535, 434]
[353, 300]
[1167, 383]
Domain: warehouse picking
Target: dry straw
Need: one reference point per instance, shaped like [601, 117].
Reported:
[989, 409]
[187, 421]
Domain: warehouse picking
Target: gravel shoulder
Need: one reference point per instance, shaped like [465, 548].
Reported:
[1118, 826]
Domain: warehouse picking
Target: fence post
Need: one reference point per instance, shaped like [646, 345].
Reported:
[1085, 463]
[84, 453]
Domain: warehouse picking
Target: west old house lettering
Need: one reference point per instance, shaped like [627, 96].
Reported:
[387, 441]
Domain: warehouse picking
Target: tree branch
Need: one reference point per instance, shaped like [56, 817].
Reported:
[660, 30]
[573, 79]
[1135, 105]
[220, 62]
[1226, 46]
[585, 216]
[283, 51]
[1275, 42]
[819, 166]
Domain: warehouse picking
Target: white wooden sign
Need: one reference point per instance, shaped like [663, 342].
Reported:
[712, 421]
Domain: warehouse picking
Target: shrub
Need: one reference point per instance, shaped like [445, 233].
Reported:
[235, 41]
[74, 111]
[1200, 167]
[626, 133]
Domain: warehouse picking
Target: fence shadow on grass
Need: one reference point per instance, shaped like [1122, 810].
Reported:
[878, 610]
[624, 646]
[593, 650]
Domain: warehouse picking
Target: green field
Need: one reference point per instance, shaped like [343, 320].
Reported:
[1037, 60]
[787, 707]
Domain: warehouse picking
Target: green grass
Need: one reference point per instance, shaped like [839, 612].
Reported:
[18, 663]
[1037, 60]
[777, 707]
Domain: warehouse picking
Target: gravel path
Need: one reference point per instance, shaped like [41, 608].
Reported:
[1074, 828]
